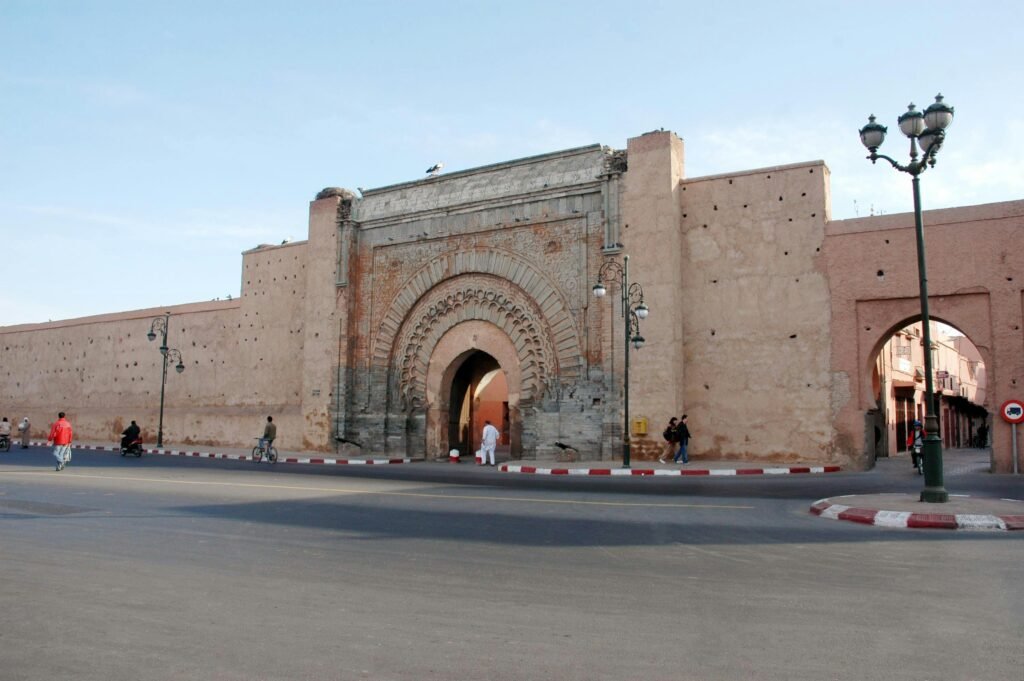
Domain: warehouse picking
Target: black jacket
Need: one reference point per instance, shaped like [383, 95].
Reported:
[682, 432]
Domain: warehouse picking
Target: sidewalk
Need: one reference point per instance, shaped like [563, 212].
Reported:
[235, 453]
[595, 468]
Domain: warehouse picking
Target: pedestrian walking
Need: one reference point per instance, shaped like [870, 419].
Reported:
[489, 440]
[60, 435]
[670, 440]
[915, 443]
[683, 439]
[25, 429]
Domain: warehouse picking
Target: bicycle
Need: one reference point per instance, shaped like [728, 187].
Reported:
[264, 448]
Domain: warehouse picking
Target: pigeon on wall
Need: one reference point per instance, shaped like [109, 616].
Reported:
[435, 169]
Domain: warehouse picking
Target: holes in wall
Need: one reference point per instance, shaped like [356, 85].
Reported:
[792, 336]
[705, 226]
[707, 387]
[881, 275]
[780, 198]
[803, 193]
[712, 332]
[730, 181]
[1009, 279]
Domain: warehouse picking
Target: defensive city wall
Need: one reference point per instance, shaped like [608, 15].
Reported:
[765, 317]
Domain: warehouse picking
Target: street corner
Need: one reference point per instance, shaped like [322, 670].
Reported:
[906, 511]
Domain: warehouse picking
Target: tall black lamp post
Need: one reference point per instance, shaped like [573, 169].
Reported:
[160, 325]
[633, 310]
[926, 130]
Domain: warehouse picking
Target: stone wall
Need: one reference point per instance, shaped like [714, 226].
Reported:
[755, 310]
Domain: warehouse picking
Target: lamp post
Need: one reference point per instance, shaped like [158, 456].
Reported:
[927, 131]
[160, 325]
[633, 310]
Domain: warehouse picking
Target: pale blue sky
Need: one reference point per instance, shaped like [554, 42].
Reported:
[144, 145]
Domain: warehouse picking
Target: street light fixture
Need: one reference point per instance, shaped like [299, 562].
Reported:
[926, 130]
[160, 325]
[633, 310]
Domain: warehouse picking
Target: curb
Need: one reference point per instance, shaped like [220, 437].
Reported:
[247, 457]
[904, 519]
[662, 472]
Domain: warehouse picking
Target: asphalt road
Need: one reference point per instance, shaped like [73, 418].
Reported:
[159, 568]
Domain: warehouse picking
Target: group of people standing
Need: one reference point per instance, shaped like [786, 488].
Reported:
[677, 437]
[24, 429]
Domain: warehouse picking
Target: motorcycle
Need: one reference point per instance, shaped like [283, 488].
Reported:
[918, 459]
[5, 443]
[133, 447]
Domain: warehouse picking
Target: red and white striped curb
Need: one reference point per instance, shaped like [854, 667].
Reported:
[671, 472]
[247, 457]
[942, 521]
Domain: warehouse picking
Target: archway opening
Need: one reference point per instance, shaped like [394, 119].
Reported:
[479, 393]
[898, 385]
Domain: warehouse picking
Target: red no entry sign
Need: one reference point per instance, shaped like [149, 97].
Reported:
[1013, 411]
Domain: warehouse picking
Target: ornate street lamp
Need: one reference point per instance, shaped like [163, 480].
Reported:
[633, 310]
[928, 131]
[160, 325]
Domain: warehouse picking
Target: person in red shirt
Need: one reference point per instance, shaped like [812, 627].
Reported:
[60, 435]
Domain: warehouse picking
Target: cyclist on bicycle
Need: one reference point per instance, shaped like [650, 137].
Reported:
[269, 433]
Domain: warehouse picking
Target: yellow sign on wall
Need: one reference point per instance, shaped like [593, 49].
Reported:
[640, 425]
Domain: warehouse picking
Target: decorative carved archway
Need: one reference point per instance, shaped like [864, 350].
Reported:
[517, 279]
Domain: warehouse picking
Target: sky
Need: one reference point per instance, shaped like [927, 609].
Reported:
[145, 145]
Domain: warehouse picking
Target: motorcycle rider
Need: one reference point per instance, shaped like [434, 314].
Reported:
[5, 431]
[129, 435]
[915, 442]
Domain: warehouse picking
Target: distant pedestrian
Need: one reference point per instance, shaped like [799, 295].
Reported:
[669, 434]
[25, 429]
[683, 439]
[983, 435]
[269, 432]
[489, 441]
[915, 442]
[60, 436]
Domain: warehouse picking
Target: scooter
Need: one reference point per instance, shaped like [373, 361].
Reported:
[918, 460]
[5, 443]
[133, 447]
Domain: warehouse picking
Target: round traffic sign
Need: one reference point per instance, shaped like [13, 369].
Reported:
[1013, 411]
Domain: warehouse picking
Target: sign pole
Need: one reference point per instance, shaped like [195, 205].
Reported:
[1015, 471]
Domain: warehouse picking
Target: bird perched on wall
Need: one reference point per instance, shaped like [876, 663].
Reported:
[435, 169]
[569, 452]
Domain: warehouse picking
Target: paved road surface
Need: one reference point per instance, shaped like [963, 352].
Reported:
[167, 569]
